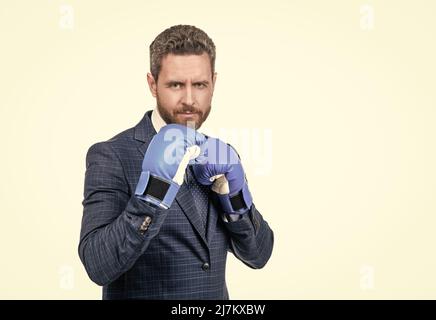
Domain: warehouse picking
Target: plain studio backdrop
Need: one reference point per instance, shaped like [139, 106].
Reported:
[331, 105]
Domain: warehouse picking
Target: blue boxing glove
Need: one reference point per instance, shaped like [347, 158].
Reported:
[219, 165]
[169, 153]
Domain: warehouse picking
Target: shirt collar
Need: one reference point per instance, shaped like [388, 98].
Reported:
[156, 120]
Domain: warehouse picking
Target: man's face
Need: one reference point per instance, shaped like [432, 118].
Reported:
[184, 89]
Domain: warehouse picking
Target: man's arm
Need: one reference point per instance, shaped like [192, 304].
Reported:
[251, 238]
[117, 227]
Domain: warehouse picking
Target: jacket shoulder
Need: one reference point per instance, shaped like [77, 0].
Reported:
[118, 141]
[119, 138]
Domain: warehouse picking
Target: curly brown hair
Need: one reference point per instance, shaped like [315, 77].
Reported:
[180, 39]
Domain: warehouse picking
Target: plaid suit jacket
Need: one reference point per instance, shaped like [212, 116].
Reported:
[136, 251]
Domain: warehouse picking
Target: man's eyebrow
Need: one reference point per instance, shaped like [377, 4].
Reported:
[169, 82]
[173, 81]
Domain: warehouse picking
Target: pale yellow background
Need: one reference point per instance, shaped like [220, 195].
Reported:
[352, 114]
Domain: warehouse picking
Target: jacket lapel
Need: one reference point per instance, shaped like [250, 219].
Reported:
[212, 220]
[185, 200]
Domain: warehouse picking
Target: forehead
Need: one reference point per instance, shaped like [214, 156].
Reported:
[182, 67]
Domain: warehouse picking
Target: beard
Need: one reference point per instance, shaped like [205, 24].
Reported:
[195, 120]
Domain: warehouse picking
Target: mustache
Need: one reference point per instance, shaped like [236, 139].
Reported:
[188, 109]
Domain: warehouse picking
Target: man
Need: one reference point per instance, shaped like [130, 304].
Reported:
[159, 229]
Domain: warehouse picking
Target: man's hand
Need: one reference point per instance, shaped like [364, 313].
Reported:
[219, 164]
[165, 161]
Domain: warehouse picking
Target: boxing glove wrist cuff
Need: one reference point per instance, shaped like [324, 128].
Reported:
[238, 203]
[156, 190]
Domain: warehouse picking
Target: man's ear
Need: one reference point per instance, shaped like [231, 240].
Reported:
[214, 80]
[152, 84]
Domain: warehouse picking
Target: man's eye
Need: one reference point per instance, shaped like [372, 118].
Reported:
[178, 85]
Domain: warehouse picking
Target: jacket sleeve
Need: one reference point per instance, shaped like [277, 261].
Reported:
[116, 226]
[251, 238]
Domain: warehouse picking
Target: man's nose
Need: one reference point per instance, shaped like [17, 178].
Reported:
[188, 96]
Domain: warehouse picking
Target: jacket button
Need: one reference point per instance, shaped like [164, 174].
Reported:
[205, 266]
[147, 220]
[144, 225]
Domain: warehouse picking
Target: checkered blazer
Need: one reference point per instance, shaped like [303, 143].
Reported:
[136, 251]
